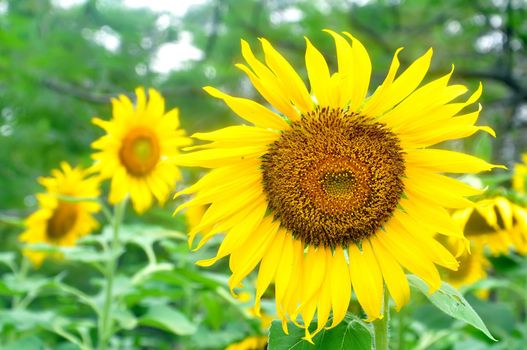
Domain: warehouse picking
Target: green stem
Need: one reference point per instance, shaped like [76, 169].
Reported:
[105, 324]
[21, 275]
[380, 326]
[401, 316]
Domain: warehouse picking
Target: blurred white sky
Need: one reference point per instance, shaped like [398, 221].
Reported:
[170, 56]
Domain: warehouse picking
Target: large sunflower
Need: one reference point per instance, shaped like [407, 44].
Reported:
[335, 189]
[62, 221]
[496, 223]
[140, 140]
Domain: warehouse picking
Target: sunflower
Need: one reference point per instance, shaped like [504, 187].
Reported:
[58, 221]
[250, 343]
[333, 190]
[519, 175]
[140, 140]
[495, 223]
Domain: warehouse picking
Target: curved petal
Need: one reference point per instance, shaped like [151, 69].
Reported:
[366, 278]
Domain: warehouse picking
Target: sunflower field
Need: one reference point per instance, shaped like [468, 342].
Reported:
[251, 175]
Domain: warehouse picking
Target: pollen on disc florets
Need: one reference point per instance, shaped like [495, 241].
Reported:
[334, 177]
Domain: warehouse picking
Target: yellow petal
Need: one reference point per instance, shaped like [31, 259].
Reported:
[439, 160]
[409, 255]
[266, 83]
[268, 267]
[140, 103]
[416, 106]
[314, 272]
[214, 158]
[283, 275]
[360, 72]
[156, 104]
[373, 102]
[345, 66]
[434, 217]
[366, 279]
[393, 274]
[340, 286]
[218, 176]
[238, 235]
[403, 86]
[221, 210]
[244, 184]
[292, 83]
[433, 249]
[249, 110]
[236, 136]
[505, 210]
[243, 260]
[425, 185]
[318, 72]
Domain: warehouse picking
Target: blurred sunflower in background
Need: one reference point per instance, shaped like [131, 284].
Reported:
[473, 266]
[250, 343]
[136, 151]
[495, 223]
[335, 189]
[62, 221]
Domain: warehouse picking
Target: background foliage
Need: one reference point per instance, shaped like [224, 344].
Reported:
[61, 62]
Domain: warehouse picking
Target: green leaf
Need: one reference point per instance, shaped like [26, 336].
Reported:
[25, 319]
[450, 301]
[125, 318]
[31, 342]
[147, 235]
[349, 334]
[169, 319]
[500, 316]
[84, 254]
[7, 258]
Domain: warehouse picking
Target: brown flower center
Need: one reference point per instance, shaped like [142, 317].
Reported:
[140, 151]
[62, 221]
[334, 178]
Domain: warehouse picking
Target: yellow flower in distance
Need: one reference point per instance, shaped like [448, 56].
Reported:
[335, 190]
[520, 175]
[495, 223]
[62, 221]
[250, 343]
[135, 153]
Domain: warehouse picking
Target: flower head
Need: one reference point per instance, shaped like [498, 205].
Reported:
[61, 221]
[135, 153]
[496, 223]
[335, 190]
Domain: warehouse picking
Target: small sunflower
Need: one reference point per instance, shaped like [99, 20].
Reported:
[520, 175]
[495, 223]
[140, 140]
[250, 343]
[57, 221]
[335, 190]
